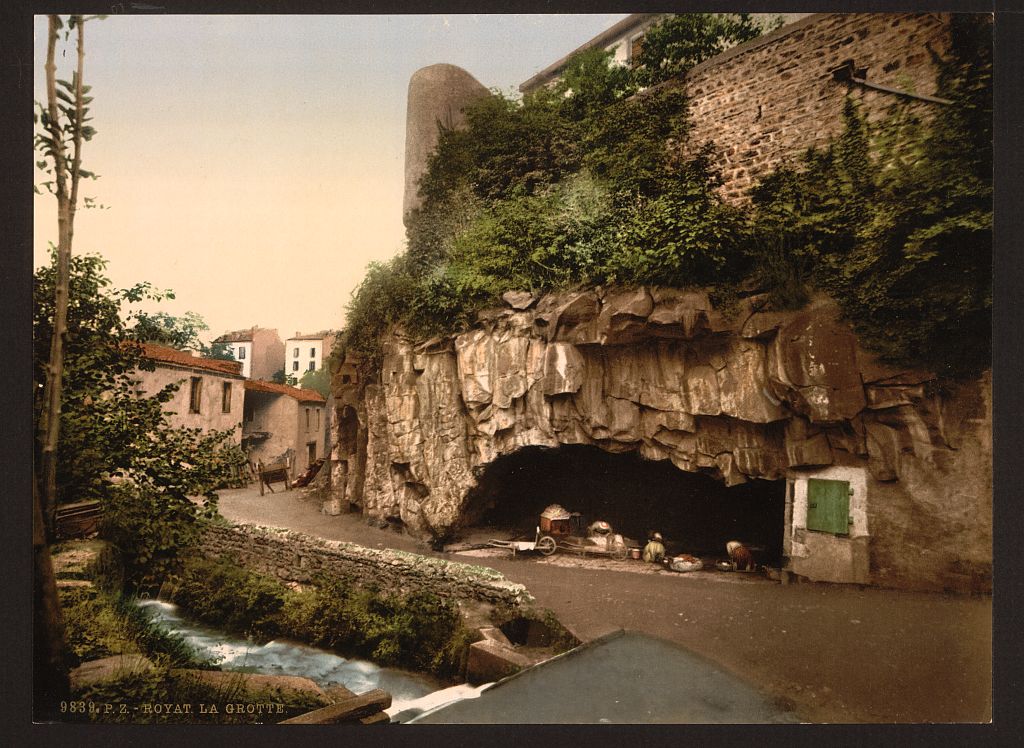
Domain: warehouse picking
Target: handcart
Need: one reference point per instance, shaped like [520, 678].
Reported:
[561, 529]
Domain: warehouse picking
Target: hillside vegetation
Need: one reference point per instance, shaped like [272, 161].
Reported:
[594, 182]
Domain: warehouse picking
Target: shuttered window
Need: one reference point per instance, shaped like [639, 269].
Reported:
[635, 47]
[195, 394]
[828, 506]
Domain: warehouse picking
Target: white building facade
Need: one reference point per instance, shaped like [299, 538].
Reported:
[305, 353]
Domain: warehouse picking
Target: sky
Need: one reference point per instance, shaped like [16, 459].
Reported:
[254, 164]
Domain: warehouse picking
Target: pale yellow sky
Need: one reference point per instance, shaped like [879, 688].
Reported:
[254, 165]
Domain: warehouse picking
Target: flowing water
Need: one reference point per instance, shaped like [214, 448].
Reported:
[285, 657]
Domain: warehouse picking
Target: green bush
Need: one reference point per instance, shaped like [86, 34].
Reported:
[419, 631]
[222, 593]
[100, 624]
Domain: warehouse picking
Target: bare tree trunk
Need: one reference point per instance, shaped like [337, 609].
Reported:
[66, 204]
[50, 673]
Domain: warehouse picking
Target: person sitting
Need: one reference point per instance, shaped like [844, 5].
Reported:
[654, 551]
[740, 555]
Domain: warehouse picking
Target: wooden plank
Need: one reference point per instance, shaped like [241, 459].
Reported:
[363, 705]
[339, 693]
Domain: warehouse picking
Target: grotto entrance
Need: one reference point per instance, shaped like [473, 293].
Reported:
[696, 513]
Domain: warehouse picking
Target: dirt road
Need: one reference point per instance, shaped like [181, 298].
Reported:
[834, 653]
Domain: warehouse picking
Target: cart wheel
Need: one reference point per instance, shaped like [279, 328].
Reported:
[619, 552]
[545, 545]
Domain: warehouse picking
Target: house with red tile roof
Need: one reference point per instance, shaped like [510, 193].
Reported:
[210, 395]
[283, 421]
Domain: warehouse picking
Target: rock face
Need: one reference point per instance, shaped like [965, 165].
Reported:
[662, 373]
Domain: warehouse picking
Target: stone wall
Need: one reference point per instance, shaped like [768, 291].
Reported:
[770, 99]
[294, 557]
[661, 373]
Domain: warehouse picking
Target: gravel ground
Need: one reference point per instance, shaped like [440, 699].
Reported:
[834, 653]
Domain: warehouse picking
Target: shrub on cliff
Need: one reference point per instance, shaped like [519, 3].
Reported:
[599, 187]
[553, 192]
[677, 43]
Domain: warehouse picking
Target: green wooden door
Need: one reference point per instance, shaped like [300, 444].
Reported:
[828, 506]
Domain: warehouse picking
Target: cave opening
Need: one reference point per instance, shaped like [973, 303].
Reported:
[696, 513]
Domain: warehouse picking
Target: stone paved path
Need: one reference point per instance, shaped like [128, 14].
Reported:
[834, 653]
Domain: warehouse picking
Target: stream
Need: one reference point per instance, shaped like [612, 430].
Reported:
[286, 657]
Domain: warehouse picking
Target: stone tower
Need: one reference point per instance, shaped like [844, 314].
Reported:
[437, 96]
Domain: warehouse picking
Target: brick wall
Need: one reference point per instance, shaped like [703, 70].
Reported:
[772, 98]
[292, 556]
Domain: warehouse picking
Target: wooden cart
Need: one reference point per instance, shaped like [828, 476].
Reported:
[275, 471]
[561, 529]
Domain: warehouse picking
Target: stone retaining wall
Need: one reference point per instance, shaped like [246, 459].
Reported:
[294, 557]
[769, 100]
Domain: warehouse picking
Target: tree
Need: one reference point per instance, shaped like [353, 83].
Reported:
[118, 446]
[590, 82]
[178, 332]
[318, 380]
[677, 43]
[166, 329]
[60, 122]
[63, 127]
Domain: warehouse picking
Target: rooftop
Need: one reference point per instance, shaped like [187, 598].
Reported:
[242, 336]
[303, 396]
[622, 677]
[312, 336]
[167, 355]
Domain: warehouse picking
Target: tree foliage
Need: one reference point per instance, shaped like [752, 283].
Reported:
[318, 380]
[677, 43]
[117, 444]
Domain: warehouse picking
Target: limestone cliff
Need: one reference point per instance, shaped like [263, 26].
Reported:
[661, 372]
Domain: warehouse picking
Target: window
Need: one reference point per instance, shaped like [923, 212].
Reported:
[636, 46]
[312, 352]
[828, 506]
[317, 419]
[295, 353]
[312, 366]
[307, 419]
[225, 400]
[295, 365]
[195, 394]
[241, 353]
